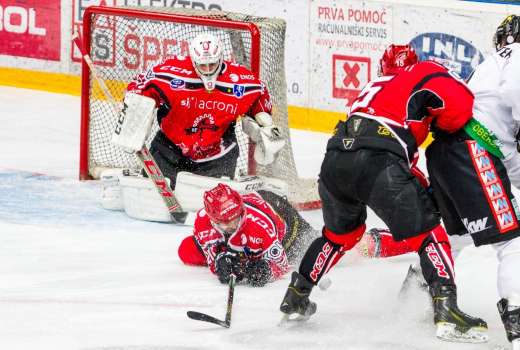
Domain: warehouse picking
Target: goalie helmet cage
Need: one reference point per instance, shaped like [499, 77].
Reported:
[126, 41]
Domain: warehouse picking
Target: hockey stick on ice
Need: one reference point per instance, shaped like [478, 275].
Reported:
[147, 161]
[199, 316]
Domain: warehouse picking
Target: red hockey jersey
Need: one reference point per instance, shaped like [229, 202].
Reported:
[197, 118]
[407, 103]
[259, 235]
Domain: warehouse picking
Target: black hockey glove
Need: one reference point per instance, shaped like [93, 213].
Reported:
[227, 263]
[258, 272]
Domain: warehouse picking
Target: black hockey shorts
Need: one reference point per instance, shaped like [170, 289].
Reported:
[171, 161]
[351, 181]
[472, 190]
[299, 234]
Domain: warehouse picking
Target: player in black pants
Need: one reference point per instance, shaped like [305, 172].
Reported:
[370, 161]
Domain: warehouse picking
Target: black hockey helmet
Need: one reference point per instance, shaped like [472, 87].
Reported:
[508, 32]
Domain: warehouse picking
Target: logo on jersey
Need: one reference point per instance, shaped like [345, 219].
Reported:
[149, 74]
[349, 75]
[176, 83]
[451, 51]
[234, 78]
[238, 90]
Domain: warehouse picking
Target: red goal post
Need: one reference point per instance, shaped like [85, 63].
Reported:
[125, 41]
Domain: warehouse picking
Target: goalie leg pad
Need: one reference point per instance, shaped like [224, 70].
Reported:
[111, 196]
[142, 201]
[190, 187]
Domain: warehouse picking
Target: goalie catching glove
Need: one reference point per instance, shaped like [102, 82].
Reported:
[265, 135]
[134, 122]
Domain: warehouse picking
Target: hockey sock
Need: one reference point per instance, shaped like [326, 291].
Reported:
[434, 252]
[326, 251]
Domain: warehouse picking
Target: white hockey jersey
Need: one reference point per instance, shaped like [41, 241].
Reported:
[496, 86]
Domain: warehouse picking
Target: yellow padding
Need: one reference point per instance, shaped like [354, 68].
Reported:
[30, 79]
[313, 119]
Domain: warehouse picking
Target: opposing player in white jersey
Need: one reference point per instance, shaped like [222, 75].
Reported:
[496, 127]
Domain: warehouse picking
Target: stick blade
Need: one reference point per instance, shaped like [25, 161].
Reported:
[198, 316]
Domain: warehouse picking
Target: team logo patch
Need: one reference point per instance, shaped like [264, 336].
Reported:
[348, 143]
[149, 74]
[238, 90]
[176, 83]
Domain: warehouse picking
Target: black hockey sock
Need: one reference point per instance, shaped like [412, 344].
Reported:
[319, 258]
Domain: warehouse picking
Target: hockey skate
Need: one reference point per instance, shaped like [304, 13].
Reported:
[511, 318]
[413, 280]
[296, 300]
[453, 324]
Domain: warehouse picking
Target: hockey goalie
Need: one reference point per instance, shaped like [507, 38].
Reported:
[197, 100]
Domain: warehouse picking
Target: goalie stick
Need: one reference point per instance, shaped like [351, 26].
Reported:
[199, 316]
[146, 159]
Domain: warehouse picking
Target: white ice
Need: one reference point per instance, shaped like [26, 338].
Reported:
[75, 276]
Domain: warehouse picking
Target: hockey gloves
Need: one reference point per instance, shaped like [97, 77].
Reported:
[258, 272]
[227, 263]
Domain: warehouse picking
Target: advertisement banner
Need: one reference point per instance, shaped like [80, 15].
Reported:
[30, 28]
[347, 40]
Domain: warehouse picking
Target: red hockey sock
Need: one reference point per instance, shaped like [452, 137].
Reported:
[189, 252]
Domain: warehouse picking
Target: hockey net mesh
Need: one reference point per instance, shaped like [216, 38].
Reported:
[123, 46]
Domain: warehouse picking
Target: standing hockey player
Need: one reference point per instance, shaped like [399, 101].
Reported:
[256, 236]
[481, 204]
[370, 161]
[198, 100]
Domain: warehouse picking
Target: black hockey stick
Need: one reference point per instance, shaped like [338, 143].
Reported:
[199, 316]
[148, 162]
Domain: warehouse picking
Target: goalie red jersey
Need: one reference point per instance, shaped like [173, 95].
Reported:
[194, 118]
[259, 236]
[407, 103]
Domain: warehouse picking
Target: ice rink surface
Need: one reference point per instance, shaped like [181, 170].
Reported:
[76, 276]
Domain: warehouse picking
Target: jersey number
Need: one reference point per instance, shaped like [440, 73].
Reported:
[369, 91]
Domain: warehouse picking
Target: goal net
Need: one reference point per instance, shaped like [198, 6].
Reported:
[125, 41]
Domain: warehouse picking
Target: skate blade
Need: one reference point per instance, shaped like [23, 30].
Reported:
[448, 332]
[292, 318]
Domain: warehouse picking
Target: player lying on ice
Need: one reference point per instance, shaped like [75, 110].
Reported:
[256, 236]
[197, 101]
[370, 161]
[472, 185]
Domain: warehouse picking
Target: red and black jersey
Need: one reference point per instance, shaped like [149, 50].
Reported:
[259, 235]
[408, 103]
[196, 118]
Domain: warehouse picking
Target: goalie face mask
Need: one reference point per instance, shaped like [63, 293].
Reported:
[508, 32]
[225, 208]
[207, 57]
[395, 58]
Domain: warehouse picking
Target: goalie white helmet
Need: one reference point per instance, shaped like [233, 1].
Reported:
[207, 57]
